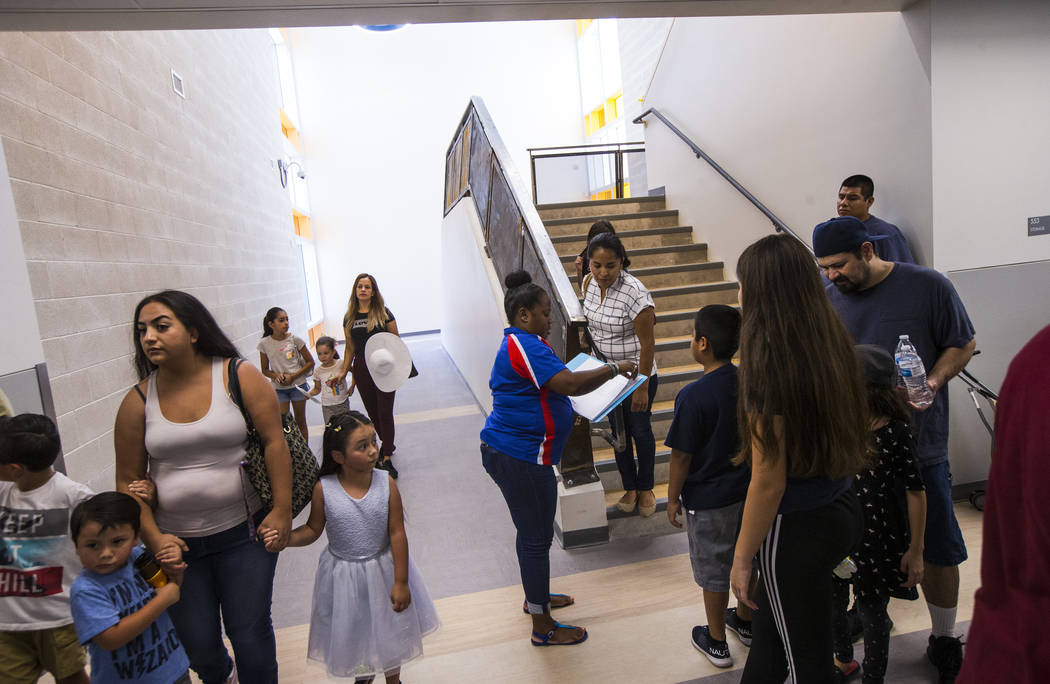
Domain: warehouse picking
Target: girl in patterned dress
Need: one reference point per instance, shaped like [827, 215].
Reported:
[892, 498]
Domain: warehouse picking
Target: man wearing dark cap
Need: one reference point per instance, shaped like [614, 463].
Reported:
[856, 195]
[879, 301]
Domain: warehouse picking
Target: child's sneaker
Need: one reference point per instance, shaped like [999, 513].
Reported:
[740, 627]
[716, 651]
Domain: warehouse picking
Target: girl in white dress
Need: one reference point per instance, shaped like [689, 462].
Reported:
[370, 606]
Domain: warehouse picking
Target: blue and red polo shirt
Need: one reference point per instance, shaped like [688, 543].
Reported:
[528, 421]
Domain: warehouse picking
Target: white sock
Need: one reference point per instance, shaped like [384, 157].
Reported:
[943, 620]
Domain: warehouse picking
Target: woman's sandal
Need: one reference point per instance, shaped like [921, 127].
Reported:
[545, 639]
[570, 600]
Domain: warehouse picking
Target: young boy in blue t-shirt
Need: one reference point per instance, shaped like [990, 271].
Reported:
[704, 439]
[116, 612]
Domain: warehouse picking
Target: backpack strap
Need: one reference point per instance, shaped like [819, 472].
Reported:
[141, 395]
[235, 390]
[586, 282]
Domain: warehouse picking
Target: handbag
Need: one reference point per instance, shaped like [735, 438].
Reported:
[304, 464]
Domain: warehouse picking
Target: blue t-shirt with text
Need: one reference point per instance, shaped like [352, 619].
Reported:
[528, 421]
[923, 304]
[705, 427]
[99, 602]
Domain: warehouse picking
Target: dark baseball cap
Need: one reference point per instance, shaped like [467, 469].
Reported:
[877, 364]
[840, 234]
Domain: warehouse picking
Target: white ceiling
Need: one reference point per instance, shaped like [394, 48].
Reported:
[70, 15]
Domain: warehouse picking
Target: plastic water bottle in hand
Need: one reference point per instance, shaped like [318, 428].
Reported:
[913, 373]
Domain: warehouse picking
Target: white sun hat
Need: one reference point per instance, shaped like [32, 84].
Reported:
[388, 361]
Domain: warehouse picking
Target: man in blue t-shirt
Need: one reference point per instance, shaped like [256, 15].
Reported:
[856, 195]
[879, 301]
[703, 480]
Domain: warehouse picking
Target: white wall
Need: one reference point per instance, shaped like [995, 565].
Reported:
[790, 106]
[472, 316]
[378, 112]
[991, 139]
[123, 188]
[22, 348]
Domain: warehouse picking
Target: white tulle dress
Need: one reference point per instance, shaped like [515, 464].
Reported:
[354, 630]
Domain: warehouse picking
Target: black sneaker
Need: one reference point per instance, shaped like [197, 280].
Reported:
[716, 651]
[739, 626]
[946, 654]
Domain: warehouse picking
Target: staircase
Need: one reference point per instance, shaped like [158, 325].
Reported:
[681, 280]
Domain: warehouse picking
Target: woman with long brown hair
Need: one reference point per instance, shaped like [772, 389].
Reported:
[366, 314]
[804, 434]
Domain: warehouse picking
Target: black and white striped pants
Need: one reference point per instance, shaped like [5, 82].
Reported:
[792, 626]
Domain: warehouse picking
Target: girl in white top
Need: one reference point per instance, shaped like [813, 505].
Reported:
[335, 397]
[285, 359]
[371, 609]
[180, 422]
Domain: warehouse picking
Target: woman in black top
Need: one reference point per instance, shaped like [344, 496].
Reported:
[804, 434]
[365, 316]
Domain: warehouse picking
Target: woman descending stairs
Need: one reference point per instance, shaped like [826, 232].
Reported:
[681, 280]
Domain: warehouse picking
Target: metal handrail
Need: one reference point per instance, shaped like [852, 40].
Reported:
[779, 225]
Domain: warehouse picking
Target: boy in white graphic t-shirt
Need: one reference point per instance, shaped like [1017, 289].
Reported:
[38, 561]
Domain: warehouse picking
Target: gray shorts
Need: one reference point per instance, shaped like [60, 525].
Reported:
[334, 410]
[712, 539]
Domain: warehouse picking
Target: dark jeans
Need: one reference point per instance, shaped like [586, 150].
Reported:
[639, 429]
[792, 626]
[378, 404]
[531, 492]
[228, 571]
[876, 624]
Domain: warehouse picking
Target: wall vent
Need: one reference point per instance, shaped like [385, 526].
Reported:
[177, 85]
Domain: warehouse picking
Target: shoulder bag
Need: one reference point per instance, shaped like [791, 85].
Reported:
[304, 464]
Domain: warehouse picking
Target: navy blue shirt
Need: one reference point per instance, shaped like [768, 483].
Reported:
[705, 427]
[528, 421]
[923, 304]
[894, 247]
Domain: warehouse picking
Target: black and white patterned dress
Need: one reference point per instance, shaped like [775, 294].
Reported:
[880, 491]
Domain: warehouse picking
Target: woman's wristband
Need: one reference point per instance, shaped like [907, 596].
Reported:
[614, 367]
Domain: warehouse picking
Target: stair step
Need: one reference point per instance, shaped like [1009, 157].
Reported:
[695, 296]
[599, 207]
[654, 256]
[640, 238]
[666, 276]
[628, 221]
[676, 322]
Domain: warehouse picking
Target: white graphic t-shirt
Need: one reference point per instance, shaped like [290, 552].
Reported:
[334, 394]
[283, 355]
[38, 561]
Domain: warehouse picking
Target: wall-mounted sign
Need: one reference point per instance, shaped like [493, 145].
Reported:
[1038, 225]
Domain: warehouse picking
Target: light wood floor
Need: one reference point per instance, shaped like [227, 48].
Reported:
[639, 618]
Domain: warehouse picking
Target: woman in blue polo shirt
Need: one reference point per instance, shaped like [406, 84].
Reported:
[525, 435]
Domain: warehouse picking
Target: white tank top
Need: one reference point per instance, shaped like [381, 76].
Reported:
[196, 465]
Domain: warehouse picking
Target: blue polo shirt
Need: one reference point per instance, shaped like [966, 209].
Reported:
[528, 421]
[923, 304]
[705, 427]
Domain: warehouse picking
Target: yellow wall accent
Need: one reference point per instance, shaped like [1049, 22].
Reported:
[581, 26]
[316, 332]
[303, 225]
[291, 132]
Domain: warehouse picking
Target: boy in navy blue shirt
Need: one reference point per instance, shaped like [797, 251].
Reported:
[704, 439]
[121, 617]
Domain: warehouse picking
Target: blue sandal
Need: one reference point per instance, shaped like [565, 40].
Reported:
[545, 639]
[569, 602]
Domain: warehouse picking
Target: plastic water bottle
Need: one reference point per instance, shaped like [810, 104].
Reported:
[913, 373]
[845, 569]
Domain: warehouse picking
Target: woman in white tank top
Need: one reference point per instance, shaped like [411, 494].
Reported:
[181, 422]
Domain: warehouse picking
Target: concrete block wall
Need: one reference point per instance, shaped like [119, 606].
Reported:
[123, 188]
